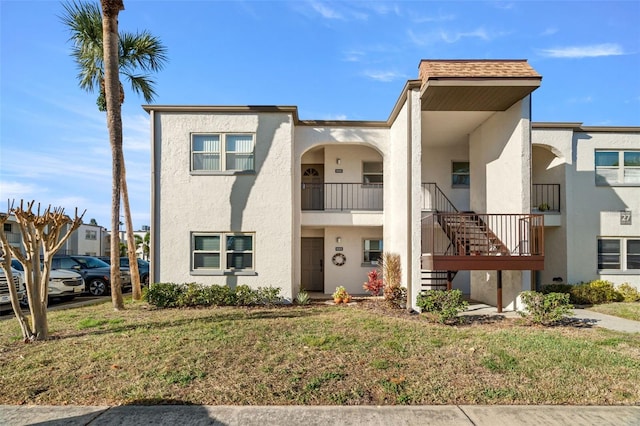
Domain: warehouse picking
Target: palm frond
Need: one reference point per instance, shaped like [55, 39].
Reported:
[138, 51]
[142, 85]
[142, 50]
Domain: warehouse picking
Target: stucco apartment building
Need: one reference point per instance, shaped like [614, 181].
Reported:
[457, 181]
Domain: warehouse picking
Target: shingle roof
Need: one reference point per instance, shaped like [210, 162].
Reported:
[476, 69]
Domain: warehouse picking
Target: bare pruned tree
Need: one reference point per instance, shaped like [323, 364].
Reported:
[42, 232]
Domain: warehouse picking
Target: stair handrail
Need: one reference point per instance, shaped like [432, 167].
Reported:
[442, 202]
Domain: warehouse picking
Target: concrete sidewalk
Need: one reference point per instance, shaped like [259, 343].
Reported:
[320, 415]
[582, 317]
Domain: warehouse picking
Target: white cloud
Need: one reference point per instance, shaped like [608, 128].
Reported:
[549, 31]
[433, 18]
[336, 117]
[452, 37]
[384, 76]
[591, 51]
[325, 11]
[580, 100]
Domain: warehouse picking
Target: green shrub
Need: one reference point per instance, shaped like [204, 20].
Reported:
[557, 288]
[192, 294]
[245, 296]
[164, 295]
[547, 308]
[445, 304]
[594, 293]
[171, 295]
[302, 298]
[268, 296]
[629, 293]
[219, 295]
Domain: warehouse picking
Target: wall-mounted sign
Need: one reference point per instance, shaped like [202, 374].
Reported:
[625, 217]
[339, 249]
[338, 170]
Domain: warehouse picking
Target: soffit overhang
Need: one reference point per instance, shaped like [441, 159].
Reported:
[470, 94]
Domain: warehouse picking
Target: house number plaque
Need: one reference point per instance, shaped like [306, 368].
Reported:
[625, 217]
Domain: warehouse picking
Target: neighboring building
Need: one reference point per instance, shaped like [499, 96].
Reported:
[447, 182]
[86, 240]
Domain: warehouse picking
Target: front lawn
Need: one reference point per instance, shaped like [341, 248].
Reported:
[627, 310]
[311, 355]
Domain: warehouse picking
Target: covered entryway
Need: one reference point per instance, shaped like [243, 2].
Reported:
[312, 251]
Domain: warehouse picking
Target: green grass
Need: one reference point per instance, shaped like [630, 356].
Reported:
[627, 310]
[314, 355]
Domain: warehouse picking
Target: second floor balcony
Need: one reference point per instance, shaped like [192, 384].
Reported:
[342, 197]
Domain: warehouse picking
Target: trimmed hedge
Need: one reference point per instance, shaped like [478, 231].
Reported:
[172, 295]
[444, 304]
[591, 293]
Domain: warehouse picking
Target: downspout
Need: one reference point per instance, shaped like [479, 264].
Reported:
[152, 236]
[409, 262]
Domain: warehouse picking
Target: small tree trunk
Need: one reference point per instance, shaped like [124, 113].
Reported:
[110, 11]
[136, 291]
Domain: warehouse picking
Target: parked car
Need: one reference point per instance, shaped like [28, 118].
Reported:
[63, 284]
[5, 298]
[143, 267]
[96, 273]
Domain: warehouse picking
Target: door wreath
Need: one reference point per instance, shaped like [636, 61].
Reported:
[338, 259]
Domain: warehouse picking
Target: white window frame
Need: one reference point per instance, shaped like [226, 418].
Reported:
[366, 174]
[224, 267]
[91, 235]
[222, 153]
[619, 168]
[623, 255]
[366, 262]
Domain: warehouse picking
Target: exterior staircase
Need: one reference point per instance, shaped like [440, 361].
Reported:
[470, 235]
[435, 280]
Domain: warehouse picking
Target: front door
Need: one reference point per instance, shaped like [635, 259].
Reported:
[312, 252]
[313, 187]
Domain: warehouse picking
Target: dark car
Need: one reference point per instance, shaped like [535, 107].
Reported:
[96, 273]
[143, 267]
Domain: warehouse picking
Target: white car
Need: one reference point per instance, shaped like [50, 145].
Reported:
[4, 287]
[63, 284]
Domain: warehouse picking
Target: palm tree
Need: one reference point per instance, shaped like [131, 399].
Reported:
[139, 51]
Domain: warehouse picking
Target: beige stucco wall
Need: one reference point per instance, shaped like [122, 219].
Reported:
[590, 211]
[261, 203]
[353, 273]
[500, 158]
[596, 209]
[436, 167]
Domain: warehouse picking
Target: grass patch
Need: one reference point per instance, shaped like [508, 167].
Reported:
[315, 355]
[626, 310]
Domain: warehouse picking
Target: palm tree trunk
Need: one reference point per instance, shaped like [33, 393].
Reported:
[110, 11]
[131, 244]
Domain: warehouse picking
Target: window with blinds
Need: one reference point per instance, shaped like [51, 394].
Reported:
[209, 250]
[222, 152]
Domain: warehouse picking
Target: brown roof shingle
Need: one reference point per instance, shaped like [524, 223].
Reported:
[476, 69]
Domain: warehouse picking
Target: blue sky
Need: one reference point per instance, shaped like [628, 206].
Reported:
[334, 60]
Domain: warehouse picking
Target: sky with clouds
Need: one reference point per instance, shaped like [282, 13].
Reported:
[333, 60]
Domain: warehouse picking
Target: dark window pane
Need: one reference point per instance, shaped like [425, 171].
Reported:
[633, 261]
[372, 167]
[240, 242]
[632, 158]
[207, 242]
[239, 260]
[609, 246]
[607, 159]
[206, 260]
